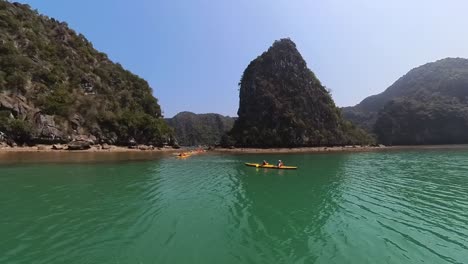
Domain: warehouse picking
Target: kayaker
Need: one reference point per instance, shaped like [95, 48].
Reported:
[280, 164]
[264, 163]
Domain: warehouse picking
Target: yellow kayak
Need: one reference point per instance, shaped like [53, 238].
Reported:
[256, 165]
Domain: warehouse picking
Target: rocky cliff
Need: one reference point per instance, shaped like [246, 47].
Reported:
[200, 129]
[428, 105]
[283, 104]
[55, 87]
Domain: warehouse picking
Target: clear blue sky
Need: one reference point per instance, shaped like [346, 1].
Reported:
[193, 52]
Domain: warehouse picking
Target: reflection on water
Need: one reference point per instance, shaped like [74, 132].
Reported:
[73, 213]
[395, 207]
[16, 158]
[287, 208]
[415, 201]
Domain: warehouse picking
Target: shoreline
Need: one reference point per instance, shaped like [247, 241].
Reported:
[299, 150]
[337, 149]
[93, 149]
[121, 149]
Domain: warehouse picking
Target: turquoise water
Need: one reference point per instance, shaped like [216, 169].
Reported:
[382, 207]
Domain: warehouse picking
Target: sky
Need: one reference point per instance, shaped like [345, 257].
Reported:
[193, 52]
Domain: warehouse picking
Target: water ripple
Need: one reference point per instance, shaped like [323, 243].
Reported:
[398, 207]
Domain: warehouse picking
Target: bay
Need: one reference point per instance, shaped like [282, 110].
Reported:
[378, 207]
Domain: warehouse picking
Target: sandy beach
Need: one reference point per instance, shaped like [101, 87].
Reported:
[121, 149]
[95, 148]
[338, 149]
[300, 150]
[117, 149]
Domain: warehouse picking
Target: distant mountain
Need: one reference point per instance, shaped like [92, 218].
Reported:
[425, 106]
[283, 104]
[200, 129]
[54, 86]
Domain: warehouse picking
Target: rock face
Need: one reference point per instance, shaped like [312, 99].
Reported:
[200, 129]
[79, 145]
[57, 147]
[46, 129]
[54, 86]
[428, 105]
[283, 104]
[105, 146]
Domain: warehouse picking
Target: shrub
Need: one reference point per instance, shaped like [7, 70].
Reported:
[17, 82]
[19, 130]
[58, 102]
[16, 129]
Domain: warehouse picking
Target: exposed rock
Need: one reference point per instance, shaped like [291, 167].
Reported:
[46, 129]
[42, 148]
[88, 138]
[175, 146]
[132, 142]
[17, 104]
[76, 122]
[58, 147]
[87, 85]
[105, 146]
[6, 102]
[11, 143]
[143, 147]
[283, 104]
[110, 138]
[79, 145]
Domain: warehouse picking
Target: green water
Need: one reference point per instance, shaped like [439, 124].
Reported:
[384, 207]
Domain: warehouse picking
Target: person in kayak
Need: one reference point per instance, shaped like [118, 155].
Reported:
[265, 163]
[280, 164]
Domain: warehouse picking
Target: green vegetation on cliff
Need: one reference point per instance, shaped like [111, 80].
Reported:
[17, 129]
[283, 104]
[200, 129]
[409, 122]
[51, 77]
[426, 106]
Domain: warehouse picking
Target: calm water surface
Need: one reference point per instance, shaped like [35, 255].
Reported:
[385, 207]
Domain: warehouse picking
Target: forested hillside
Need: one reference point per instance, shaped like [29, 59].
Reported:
[54, 86]
[426, 106]
[200, 129]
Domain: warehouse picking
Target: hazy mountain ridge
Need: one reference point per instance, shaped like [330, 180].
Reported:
[417, 107]
[200, 129]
